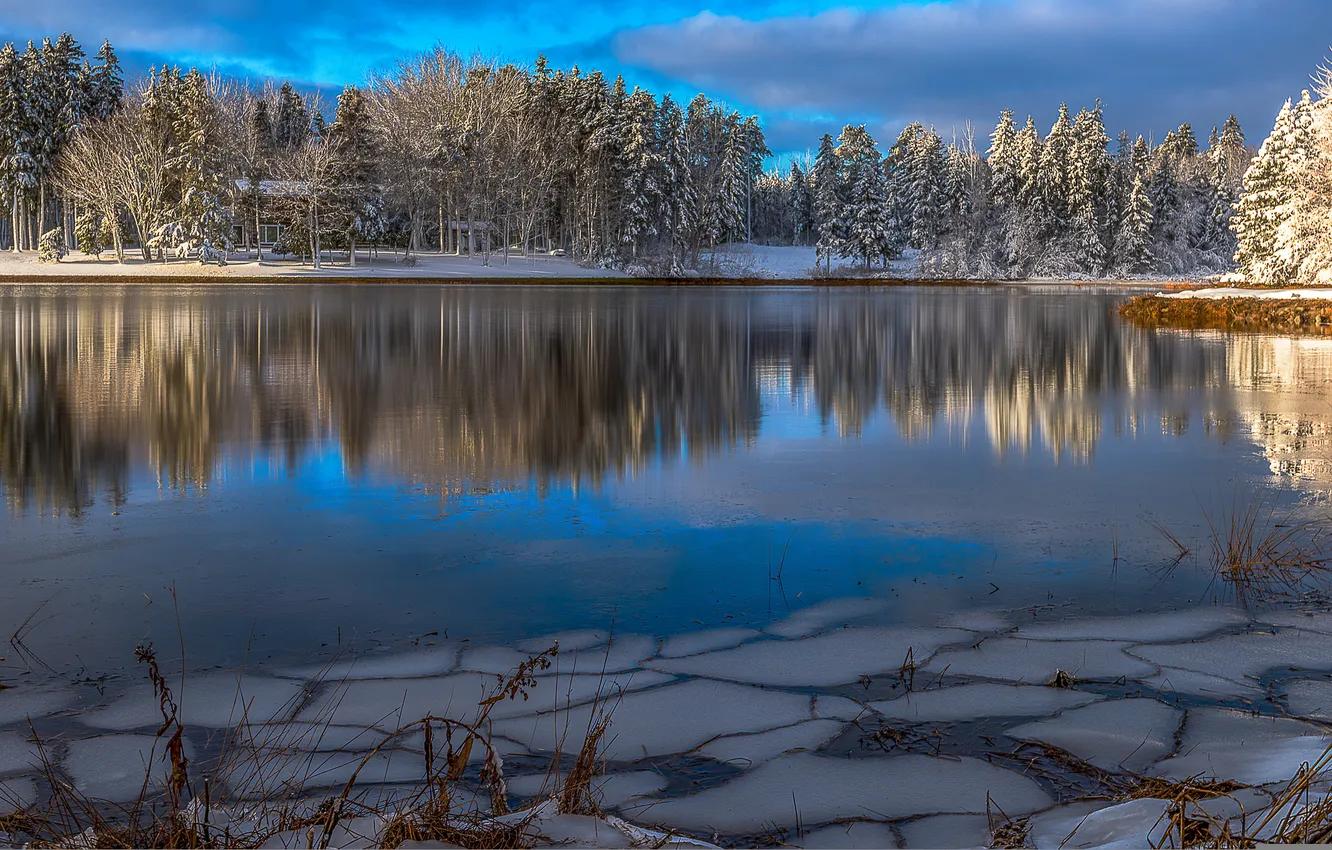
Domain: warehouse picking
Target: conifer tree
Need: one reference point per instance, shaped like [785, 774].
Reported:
[829, 201]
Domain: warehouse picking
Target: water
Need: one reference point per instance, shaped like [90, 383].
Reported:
[306, 467]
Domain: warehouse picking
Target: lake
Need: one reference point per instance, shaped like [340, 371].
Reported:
[315, 467]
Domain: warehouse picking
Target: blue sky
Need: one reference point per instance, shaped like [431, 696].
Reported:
[805, 67]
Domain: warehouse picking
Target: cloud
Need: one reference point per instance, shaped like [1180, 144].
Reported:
[1155, 63]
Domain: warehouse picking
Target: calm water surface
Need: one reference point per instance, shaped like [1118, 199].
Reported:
[309, 465]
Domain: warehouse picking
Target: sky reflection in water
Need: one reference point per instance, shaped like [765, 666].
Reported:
[370, 463]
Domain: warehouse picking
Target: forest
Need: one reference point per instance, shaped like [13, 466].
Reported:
[470, 156]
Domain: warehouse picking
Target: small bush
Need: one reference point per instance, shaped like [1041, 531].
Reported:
[88, 232]
[51, 246]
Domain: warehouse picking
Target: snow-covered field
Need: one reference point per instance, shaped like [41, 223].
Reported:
[716, 733]
[739, 261]
[386, 266]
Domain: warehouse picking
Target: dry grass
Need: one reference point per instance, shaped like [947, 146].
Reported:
[1259, 555]
[257, 805]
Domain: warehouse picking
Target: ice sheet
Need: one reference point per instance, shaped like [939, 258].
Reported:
[427, 661]
[1243, 747]
[945, 832]
[817, 789]
[696, 642]
[1137, 823]
[971, 702]
[1144, 628]
[823, 615]
[1036, 661]
[18, 704]
[1122, 734]
[857, 834]
[672, 719]
[748, 750]
[113, 767]
[835, 658]
[211, 700]
[1250, 654]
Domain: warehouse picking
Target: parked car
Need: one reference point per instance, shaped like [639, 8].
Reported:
[557, 252]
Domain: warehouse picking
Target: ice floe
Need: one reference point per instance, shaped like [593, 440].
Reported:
[18, 754]
[19, 704]
[428, 661]
[693, 644]
[1137, 823]
[1310, 698]
[1036, 661]
[612, 791]
[982, 700]
[755, 747]
[1223, 744]
[836, 658]
[950, 831]
[16, 793]
[114, 767]
[672, 719]
[854, 835]
[822, 615]
[816, 789]
[572, 640]
[623, 653]
[1123, 734]
[1249, 654]
[1172, 681]
[1142, 628]
[212, 700]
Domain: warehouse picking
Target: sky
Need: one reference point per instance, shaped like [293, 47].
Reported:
[806, 68]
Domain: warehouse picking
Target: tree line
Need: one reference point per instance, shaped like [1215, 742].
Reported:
[1058, 205]
[443, 153]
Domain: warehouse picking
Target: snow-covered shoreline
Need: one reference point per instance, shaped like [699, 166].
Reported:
[783, 265]
[821, 705]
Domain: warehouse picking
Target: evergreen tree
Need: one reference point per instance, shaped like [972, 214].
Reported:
[1133, 239]
[1263, 208]
[829, 201]
[107, 85]
[356, 200]
[802, 203]
[1005, 162]
[865, 234]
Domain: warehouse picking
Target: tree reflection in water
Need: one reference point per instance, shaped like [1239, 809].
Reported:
[462, 387]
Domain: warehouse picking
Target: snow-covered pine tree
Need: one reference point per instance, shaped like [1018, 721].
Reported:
[1089, 192]
[679, 201]
[107, 84]
[642, 164]
[1133, 238]
[1056, 166]
[1005, 162]
[1263, 208]
[927, 190]
[829, 202]
[802, 205]
[865, 234]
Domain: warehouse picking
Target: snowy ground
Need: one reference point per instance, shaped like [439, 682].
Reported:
[1231, 292]
[740, 261]
[386, 266]
[730, 733]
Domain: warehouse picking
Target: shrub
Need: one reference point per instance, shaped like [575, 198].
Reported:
[51, 246]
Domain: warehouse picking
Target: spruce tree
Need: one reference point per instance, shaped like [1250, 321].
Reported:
[865, 233]
[829, 201]
[1133, 238]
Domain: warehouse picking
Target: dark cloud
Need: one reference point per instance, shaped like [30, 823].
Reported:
[1155, 63]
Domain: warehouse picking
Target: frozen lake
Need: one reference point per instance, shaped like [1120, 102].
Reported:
[844, 538]
[328, 466]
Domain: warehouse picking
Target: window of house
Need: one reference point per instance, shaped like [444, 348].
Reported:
[268, 233]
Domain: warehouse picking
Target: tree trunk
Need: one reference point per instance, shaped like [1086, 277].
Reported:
[441, 224]
[352, 251]
[41, 209]
[471, 220]
[314, 236]
[258, 241]
[17, 248]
